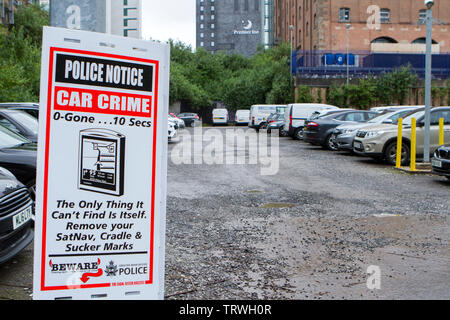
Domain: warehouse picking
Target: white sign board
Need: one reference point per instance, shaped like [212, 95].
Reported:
[102, 167]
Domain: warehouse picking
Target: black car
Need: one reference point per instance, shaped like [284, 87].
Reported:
[16, 210]
[441, 161]
[320, 131]
[20, 122]
[31, 108]
[189, 118]
[19, 155]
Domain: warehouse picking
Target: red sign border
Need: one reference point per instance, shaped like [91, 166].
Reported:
[53, 50]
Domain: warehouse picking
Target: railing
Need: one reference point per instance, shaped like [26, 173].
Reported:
[329, 64]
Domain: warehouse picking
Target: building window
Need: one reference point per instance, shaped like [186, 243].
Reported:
[385, 15]
[212, 35]
[202, 35]
[422, 16]
[212, 8]
[212, 25]
[344, 15]
[212, 44]
[202, 17]
[201, 26]
[212, 17]
[201, 44]
[202, 8]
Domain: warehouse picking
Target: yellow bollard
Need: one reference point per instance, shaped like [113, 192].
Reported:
[441, 131]
[413, 145]
[398, 162]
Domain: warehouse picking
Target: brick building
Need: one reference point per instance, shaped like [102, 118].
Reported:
[373, 25]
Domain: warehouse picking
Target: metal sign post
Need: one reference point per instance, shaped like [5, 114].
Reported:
[429, 26]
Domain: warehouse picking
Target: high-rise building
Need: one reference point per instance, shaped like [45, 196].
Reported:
[233, 26]
[119, 17]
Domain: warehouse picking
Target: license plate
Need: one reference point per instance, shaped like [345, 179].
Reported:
[22, 218]
[436, 163]
[357, 145]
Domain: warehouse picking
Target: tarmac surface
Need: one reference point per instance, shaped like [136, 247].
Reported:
[327, 225]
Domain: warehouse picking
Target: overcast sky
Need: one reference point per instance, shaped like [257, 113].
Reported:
[169, 19]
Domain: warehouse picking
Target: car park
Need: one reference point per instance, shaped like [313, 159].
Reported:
[441, 161]
[297, 113]
[320, 131]
[20, 122]
[16, 211]
[242, 117]
[260, 113]
[190, 119]
[344, 135]
[31, 108]
[380, 141]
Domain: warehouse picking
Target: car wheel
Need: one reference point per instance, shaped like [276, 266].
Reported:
[330, 143]
[390, 154]
[298, 134]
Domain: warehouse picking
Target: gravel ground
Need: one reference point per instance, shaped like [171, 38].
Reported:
[308, 232]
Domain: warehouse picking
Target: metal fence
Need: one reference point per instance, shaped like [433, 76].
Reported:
[329, 64]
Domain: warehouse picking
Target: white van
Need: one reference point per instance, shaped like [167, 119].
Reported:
[220, 116]
[242, 117]
[296, 114]
[259, 114]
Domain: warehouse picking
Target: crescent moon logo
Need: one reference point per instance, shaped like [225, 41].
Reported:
[249, 25]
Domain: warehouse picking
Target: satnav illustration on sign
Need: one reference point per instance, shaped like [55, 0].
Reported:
[102, 161]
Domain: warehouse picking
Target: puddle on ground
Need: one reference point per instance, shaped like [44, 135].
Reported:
[277, 205]
[253, 191]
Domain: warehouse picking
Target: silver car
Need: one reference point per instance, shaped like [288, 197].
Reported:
[345, 134]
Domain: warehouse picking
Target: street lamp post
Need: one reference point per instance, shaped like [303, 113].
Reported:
[291, 28]
[429, 27]
[348, 40]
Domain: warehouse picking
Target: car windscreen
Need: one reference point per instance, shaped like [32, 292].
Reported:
[10, 139]
[381, 117]
[416, 115]
[27, 120]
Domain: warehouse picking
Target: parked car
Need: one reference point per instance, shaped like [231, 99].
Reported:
[242, 117]
[320, 131]
[260, 113]
[31, 108]
[380, 141]
[296, 114]
[20, 122]
[321, 113]
[18, 155]
[172, 131]
[384, 108]
[344, 134]
[220, 116]
[441, 161]
[190, 119]
[178, 121]
[275, 122]
[16, 211]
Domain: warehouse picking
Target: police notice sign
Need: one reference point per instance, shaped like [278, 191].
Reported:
[101, 180]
